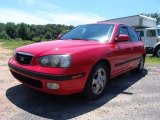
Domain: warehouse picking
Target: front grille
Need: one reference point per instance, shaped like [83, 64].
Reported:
[29, 81]
[24, 58]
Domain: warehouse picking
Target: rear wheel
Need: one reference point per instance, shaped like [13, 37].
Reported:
[141, 64]
[157, 52]
[97, 81]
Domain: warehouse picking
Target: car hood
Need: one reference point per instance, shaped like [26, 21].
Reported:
[57, 46]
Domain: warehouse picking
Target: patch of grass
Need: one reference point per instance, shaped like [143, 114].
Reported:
[152, 60]
[12, 44]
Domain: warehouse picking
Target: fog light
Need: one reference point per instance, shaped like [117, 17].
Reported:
[52, 86]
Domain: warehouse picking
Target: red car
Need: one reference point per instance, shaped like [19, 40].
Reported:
[82, 60]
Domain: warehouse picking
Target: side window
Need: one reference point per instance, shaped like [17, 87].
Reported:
[151, 33]
[133, 35]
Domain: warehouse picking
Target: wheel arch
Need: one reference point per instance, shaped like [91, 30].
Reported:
[156, 46]
[103, 61]
[86, 91]
[155, 49]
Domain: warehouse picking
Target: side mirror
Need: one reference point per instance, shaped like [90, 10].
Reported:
[122, 38]
[59, 36]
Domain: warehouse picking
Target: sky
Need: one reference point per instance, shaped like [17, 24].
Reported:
[72, 12]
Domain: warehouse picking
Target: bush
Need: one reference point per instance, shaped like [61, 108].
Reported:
[1, 40]
[3, 35]
[18, 39]
[36, 39]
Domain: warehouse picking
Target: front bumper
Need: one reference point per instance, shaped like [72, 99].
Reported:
[68, 84]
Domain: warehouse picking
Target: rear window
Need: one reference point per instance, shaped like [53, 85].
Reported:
[151, 33]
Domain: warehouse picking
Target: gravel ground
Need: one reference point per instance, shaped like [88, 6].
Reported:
[130, 96]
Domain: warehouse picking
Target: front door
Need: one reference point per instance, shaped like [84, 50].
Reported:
[123, 54]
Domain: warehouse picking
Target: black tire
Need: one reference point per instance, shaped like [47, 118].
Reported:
[89, 91]
[141, 64]
[157, 52]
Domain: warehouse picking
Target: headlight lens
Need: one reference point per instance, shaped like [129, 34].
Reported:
[55, 61]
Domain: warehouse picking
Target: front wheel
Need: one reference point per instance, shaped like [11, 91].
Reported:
[97, 81]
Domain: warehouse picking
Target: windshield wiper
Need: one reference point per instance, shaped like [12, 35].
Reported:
[79, 39]
[85, 39]
[76, 39]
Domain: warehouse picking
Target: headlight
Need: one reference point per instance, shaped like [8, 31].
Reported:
[55, 61]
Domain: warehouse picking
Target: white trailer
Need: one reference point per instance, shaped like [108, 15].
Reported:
[136, 21]
[146, 28]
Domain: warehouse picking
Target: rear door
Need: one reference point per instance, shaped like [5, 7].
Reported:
[138, 47]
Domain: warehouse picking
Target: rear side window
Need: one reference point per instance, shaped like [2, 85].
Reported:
[133, 35]
[151, 33]
[140, 33]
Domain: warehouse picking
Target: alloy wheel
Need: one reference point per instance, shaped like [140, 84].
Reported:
[99, 81]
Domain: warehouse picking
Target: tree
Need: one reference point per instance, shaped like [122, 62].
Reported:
[23, 31]
[11, 30]
[32, 32]
[155, 15]
[31, 35]
[48, 35]
[3, 35]
[2, 26]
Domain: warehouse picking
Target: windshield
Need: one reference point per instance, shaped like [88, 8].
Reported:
[158, 30]
[98, 32]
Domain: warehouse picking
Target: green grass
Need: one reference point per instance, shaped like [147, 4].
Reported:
[12, 44]
[152, 60]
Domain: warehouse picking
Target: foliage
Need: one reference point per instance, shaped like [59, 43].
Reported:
[36, 39]
[10, 30]
[48, 35]
[23, 31]
[155, 15]
[18, 39]
[31, 32]
[4, 35]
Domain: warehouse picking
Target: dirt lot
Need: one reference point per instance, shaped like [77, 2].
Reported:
[131, 96]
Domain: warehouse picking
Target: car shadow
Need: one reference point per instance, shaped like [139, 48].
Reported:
[67, 107]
